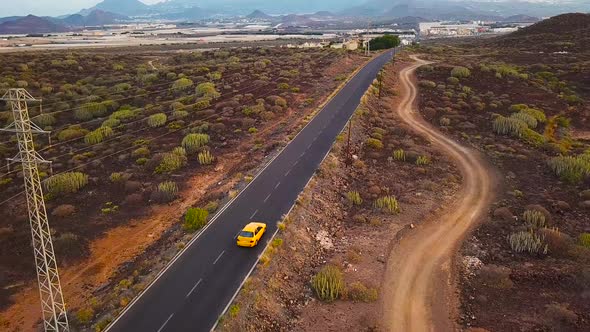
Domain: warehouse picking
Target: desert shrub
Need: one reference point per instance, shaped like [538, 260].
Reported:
[207, 90]
[495, 276]
[166, 192]
[71, 132]
[157, 120]
[96, 109]
[571, 169]
[212, 206]
[509, 126]
[83, 115]
[537, 114]
[195, 219]
[202, 104]
[453, 80]
[423, 161]
[361, 293]
[123, 115]
[460, 72]
[98, 135]
[399, 155]
[374, 143]
[180, 114]
[70, 182]
[172, 161]
[534, 219]
[205, 158]
[387, 204]
[112, 123]
[445, 122]
[558, 243]
[328, 284]
[584, 240]
[527, 242]
[141, 152]
[44, 120]
[530, 121]
[518, 107]
[427, 84]
[193, 142]
[533, 138]
[182, 84]
[252, 130]
[117, 177]
[64, 210]
[354, 198]
[84, 316]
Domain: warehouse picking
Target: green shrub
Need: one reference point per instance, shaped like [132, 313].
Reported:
[354, 198]
[518, 107]
[374, 143]
[172, 161]
[423, 161]
[71, 132]
[95, 109]
[328, 284]
[460, 72]
[180, 114]
[427, 84]
[202, 104]
[207, 90]
[195, 219]
[157, 120]
[453, 80]
[166, 192]
[83, 115]
[70, 182]
[193, 142]
[387, 204]
[534, 219]
[205, 158]
[537, 114]
[360, 293]
[571, 169]
[584, 240]
[44, 120]
[98, 135]
[212, 206]
[527, 242]
[399, 155]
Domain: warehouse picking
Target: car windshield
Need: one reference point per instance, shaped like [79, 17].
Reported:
[246, 234]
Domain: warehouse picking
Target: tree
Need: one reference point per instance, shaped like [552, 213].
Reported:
[384, 42]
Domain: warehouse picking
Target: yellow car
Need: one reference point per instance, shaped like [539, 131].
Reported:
[251, 234]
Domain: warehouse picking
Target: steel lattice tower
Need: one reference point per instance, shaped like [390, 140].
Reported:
[52, 302]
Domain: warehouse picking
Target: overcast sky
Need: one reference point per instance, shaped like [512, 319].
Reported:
[48, 7]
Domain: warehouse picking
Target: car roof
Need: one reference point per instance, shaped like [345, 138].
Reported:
[252, 226]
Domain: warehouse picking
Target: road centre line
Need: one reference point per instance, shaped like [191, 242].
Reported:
[194, 287]
[267, 197]
[253, 214]
[218, 257]
[166, 322]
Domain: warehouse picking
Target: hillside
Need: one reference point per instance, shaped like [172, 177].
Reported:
[121, 7]
[31, 24]
[258, 15]
[567, 32]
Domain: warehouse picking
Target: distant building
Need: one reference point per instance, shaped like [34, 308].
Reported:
[447, 29]
[350, 45]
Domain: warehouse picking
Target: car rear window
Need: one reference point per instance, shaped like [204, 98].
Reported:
[246, 234]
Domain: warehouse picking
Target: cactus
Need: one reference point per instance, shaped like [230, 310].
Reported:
[66, 183]
[193, 142]
[534, 219]
[527, 242]
[399, 155]
[205, 158]
[388, 204]
[354, 197]
[423, 161]
[328, 284]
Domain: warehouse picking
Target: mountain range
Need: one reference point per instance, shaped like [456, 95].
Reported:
[36, 25]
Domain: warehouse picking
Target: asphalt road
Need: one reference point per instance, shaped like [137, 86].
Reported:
[195, 289]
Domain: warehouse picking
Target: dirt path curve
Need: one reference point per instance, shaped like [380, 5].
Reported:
[418, 289]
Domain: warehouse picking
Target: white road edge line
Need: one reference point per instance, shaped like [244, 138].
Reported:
[273, 236]
[226, 206]
[218, 257]
[194, 287]
[166, 322]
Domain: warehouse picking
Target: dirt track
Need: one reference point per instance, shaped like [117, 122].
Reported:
[418, 289]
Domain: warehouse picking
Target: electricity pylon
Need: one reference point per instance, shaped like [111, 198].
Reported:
[52, 302]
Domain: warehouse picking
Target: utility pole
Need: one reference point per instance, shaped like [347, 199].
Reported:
[52, 302]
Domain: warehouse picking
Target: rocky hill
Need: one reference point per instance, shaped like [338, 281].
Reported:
[31, 24]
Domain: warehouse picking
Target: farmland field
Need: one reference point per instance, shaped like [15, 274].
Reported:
[137, 137]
